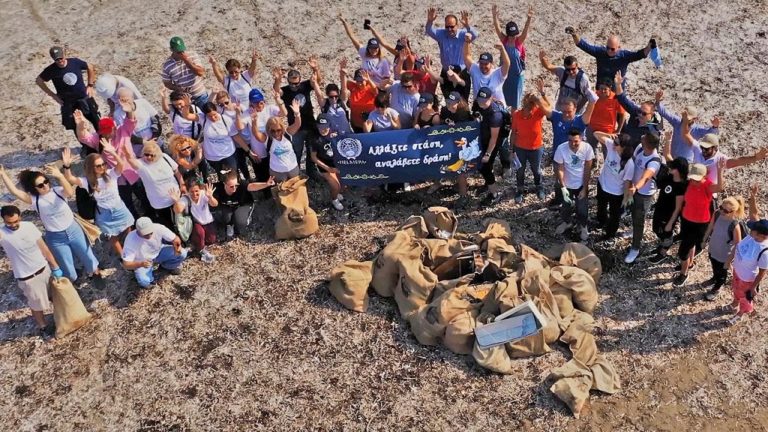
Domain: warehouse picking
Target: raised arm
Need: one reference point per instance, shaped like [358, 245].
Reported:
[667, 148]
[582, 44]
[164, 101]
[720, 186]
[602, 137]
[384, 44]
[587, 116]
[505, 61]
[545, 62]
[344, 94]
[524, 35]
[685, 124]
[11, 186]
[293, 128]
[754, 210]
[216, 69]
[496, 25]
[277, 77]
[66, 167]
[257, 186]
[628, 104]
[55, 172]
[318, 93]
[429, 27]
[350, 33]
[543, 101]
[468, 50]
[315, 66]
[746, 160]
[252, 66]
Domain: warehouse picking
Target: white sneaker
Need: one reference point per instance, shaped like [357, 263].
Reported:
[337, 205]
[563, 227]
[632, 256]
[206, 256]
[230, 231]
[339, 197]
[584, 233]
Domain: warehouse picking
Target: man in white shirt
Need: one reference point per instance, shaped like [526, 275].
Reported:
[30, 258]
[147, 246]
[107, 86]
[574, 169]
[483, 73]
[647, 165]
[404, 98]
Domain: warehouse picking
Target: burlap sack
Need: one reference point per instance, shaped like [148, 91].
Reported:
[548, 308]
[297, 220]
[527, 253]
[578, 317]
[563, 299]
[438, 251]
[534, 279]
[604, 376]
[385, 269]
[503, 297]
[500, 253]
[460, 333]
[578, 255]
[494, 229]
[495, 358]
[581, 342]
[581, 285]
[349, 284]
[426, 326]
[415, 227]
[457, 301]
[572, 383]
[414, 287]
[441, 222]
[69, 313]
[533, 345]
[445, 285]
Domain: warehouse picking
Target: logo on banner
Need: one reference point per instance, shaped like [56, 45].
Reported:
[350, 148]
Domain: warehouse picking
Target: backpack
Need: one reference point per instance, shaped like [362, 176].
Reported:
[183, 220]
[578, 79]
[86, 204]
[194, 123]
[639, 151]
[732, 226]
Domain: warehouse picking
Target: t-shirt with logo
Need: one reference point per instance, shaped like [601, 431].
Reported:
[560, 127]
[239, 89]
[494, 81]
[22, 250]
[404, 103]
[54, 210]
[378, 68]
[241, 196]
[324, 149]
[669, 190]
[257, 146]
[302, 93]
[573, 163]
[645, 162]
[106, 194]
[746, 264]
[68, 81]
[158, 178]
[218, 143]
[527, 128]
[710, 163]
[613, 176]
[381, 122]
[282, 158]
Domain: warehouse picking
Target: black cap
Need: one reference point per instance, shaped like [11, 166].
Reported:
[293, 73]
[322, 121]
[56, 52]
[419, 62]
[399, 45]
[453, 98]
[486, 57]
[484, 94]
[373, 43]
[426, 98]
[759, 226]
[358, 75]
[512, 29]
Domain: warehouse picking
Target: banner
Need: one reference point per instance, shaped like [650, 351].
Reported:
[409, 155]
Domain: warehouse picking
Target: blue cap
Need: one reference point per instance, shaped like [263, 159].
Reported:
[255, 96]
[759, 226]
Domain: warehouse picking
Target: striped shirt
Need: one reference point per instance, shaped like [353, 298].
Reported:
[178, 73]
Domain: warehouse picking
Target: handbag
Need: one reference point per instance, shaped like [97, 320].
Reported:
[92, 232]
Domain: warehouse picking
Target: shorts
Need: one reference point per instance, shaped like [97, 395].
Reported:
[691, 236]
[281, 177]
[36, 290]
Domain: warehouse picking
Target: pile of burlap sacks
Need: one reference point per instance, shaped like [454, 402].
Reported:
[447, 283]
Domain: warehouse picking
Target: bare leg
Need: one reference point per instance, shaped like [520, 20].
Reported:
[461, 183]
[39, 317]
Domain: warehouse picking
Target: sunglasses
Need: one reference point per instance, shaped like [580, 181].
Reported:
[101, 165]
[186, 148]
[45, 182]
[450, 27]
[296, 84]
[333, 96]
[647, 114]
[611, 48]
[406, 85]
[725, 210]
[274, 131]
[223, 104]
[572, 69]
[149, 155]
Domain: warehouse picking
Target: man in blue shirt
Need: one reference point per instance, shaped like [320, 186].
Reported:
[450, 41]
[643, 117]
[72, 92]
[610, 58]
[681, 147]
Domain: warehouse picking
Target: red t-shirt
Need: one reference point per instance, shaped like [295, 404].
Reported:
[698, 201]
[425, 82]
[361, 99]
[605, 113]
[527, 129]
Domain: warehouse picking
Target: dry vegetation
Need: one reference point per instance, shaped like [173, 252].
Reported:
[255, 341]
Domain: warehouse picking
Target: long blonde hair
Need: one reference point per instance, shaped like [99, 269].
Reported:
[89, 169]
[178, 141]
[737, 206]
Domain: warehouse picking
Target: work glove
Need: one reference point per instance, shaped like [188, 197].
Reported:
[566, 196]
[57, 273]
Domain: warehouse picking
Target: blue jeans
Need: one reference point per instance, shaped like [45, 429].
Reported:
[200, 100]
[167, 259]
[532, 157]
[513, 90]
[71, 244]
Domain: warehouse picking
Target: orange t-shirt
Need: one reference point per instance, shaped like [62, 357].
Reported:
[605, 113]
[527, 129]
[361, 99]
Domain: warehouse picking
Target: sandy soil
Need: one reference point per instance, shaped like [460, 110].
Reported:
[257, 343]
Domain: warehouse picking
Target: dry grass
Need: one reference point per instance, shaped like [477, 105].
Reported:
[255, 341]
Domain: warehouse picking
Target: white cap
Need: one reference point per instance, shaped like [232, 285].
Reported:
[145, 226]
[106, 85]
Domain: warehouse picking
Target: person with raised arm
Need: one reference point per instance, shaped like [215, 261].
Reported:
[236, 82]
[681, 147]
[451, 43]
[514, 43]
[484, 73]
[611, 59]
[526, 139]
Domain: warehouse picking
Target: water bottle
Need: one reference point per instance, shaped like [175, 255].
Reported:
[515, 163]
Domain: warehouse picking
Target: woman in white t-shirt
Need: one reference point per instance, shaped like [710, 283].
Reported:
[378, 67]
[181, 110]
[197, 203]
[221, 135]
[236, 82]
[615, 181]
[255, 130]
[282, 159]
[63, 235]
[100, 181]
[159, 173]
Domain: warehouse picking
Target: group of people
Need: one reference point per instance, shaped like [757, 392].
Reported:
[229, 144]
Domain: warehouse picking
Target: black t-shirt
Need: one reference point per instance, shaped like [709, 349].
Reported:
[240, 197]
[491, 117]
[669, 190]
[322, 145]
[457, 117]
[68, 80]
[303, 93]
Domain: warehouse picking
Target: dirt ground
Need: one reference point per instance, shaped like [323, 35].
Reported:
[256, 342]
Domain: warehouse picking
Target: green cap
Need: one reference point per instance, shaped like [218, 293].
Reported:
[177, 44]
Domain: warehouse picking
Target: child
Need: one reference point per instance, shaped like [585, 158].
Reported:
[724, 232]
[198, 200]
[749, 261]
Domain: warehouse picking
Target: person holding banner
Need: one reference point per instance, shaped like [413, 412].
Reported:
[491, 111]
[321, 153]
[404, 98]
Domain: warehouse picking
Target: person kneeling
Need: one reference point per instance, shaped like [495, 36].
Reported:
[144, 247]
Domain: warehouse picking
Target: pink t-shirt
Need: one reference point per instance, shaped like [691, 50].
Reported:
[122, 144]
[519, 45]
